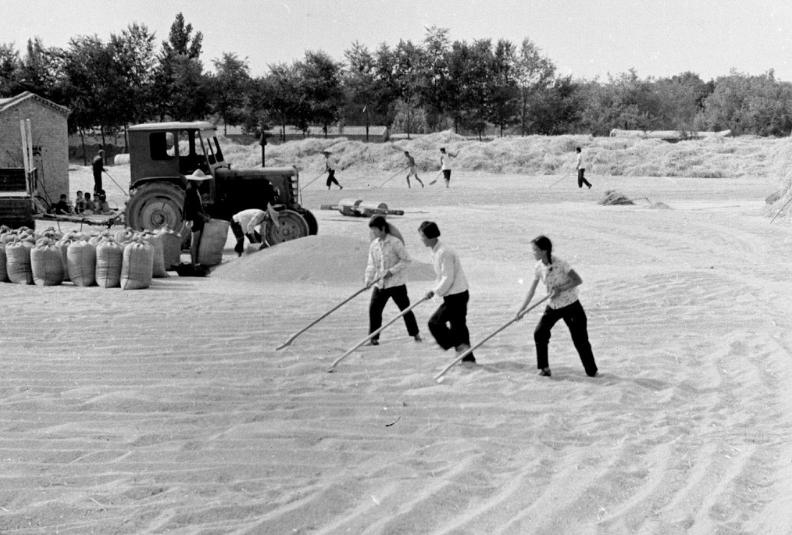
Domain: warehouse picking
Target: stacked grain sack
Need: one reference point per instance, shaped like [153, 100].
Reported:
[124, 259]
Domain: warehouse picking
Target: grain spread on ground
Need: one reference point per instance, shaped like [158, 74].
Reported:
[314, 259]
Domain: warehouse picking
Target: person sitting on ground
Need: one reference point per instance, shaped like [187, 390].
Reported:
[79, 203]
[90, 206]
[62, 206]
[102, 207]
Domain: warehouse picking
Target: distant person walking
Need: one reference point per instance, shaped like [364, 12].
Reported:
[448, 324]
[581, 169]
[330, 166]
[412, 171]
[388, 258]
[445, 165]
[562, 282]
[98, 168]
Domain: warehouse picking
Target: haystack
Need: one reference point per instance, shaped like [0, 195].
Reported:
[614, 197]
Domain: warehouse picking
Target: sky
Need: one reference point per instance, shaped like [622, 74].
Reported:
[583, 38]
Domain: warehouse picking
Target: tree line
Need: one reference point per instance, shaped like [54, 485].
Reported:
[483, 87]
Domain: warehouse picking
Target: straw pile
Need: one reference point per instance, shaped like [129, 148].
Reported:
[533, 155]
[614, 197]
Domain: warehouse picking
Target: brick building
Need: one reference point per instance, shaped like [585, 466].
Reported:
[50, 140]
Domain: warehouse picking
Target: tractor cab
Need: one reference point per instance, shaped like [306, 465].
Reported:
[161, 155]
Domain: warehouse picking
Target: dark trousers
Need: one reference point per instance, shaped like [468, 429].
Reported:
[379, 298]
[97, 181]
[575, 318]
[331, 179]
[236, 228]
[448, 324]
[581, 179]
[447, 175]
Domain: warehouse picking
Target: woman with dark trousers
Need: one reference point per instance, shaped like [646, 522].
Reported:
[385, 271]
[562, 283]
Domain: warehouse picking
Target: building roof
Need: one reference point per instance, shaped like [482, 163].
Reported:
[7, 103]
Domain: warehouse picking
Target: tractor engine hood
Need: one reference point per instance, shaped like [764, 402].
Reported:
[255, 173]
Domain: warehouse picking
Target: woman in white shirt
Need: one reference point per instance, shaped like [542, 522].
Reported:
[562, 282]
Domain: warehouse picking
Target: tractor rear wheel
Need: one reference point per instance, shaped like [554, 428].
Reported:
[154, 205]
[291, 226]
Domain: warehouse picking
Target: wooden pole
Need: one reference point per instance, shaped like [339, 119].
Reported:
[375, 333]
[464, 354]
[394, 176]
[323, 316]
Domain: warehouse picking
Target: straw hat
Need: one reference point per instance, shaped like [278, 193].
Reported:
[198, 176]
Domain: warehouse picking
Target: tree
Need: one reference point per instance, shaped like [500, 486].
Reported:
[135, 63]
[229, 88]
[534, 72]
[281, 92]
[433, 75]
[9, 65]
[471, 71]
[505, 94]
[179, 82]
[556, 109]
[39, 71]
[320, 84]
[407, 60]
[749, 105]
[361, 84]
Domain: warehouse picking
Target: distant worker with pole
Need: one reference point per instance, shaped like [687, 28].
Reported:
[412, 171]
[330, 166]
[581, 169]
[387, 261]
[98, 168]
[445, 165]
[448, 324]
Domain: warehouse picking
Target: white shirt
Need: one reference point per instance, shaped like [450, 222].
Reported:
[451, 278]
[250, 219]
[581, 163]
[330, 164]
[554, 275]
[388, 254]
[445, 162]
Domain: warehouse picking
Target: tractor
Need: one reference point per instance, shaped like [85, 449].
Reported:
[162, 154]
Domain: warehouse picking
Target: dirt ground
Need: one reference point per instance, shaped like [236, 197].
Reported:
[168, 410]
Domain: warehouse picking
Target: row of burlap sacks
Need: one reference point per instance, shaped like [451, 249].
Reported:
[110, 259]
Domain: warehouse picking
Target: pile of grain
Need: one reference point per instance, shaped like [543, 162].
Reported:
[313, 260]
[614, 197]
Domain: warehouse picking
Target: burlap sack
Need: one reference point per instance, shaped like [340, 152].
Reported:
[109, 262]
[136, 271]
[46, 263]
[18, 262]
[81, 263]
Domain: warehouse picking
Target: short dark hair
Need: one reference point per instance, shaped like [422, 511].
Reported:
[429, 229]
[379, 222]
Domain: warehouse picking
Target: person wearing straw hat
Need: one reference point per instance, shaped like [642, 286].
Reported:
[448, 324]
[387, 260]
[562, 282]
[194, 214]
[412, 171]
[330, 166]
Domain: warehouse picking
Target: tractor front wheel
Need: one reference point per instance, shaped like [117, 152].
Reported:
[291, 226]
